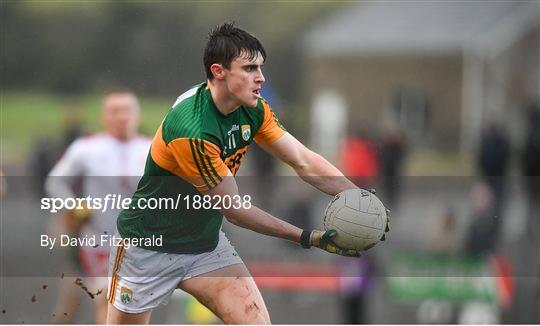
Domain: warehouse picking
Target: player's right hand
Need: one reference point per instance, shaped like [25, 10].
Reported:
[387, 227]
[323, 240]
[75, 219]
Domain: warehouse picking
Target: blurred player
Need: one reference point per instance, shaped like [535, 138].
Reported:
[106, 161]
[199, 147]
[3, 184]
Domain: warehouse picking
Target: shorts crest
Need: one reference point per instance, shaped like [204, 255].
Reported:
[126, 295]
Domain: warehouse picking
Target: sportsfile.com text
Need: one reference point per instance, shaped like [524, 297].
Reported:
[117, 201]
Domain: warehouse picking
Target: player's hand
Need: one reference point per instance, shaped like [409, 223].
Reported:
[81, 214]
[387, 229]
[388, 215]
[75, 219]
[323, 240]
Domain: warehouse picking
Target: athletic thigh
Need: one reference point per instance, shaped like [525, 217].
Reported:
[231, 293]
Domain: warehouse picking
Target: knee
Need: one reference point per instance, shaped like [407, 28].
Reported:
[256, 314]
[250, 313]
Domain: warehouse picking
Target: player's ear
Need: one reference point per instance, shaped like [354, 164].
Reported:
[217, 70]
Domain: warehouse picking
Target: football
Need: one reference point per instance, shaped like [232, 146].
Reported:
[359, 218]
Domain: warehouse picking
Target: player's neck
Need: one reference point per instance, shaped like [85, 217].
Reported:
[122, 138]
[222, 99]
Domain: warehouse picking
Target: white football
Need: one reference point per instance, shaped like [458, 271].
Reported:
[359, 218]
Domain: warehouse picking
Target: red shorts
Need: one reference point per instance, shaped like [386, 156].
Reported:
[94, 261]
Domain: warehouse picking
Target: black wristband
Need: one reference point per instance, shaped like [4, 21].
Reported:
[304, 239]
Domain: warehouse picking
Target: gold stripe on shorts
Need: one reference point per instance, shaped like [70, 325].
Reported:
[117, 266]
[114, 282]
[111, 286]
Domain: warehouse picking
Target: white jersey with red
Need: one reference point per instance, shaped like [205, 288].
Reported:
[108, 166]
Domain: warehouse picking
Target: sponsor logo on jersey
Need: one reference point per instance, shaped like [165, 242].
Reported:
[126, 295]
[233, 128]
[232, 139]
[246, 132]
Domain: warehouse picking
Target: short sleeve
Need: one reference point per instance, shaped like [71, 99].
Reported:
[199, 162]
[271, 129]
[71, 162]
[58, 183]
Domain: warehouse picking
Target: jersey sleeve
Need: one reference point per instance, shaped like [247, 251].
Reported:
[271, 129]
[199, 162]
[58, 183]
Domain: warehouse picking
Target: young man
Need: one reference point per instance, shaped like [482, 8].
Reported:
[201, 144]
[109, 163]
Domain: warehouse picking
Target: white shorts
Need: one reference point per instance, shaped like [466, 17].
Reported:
[140, 279]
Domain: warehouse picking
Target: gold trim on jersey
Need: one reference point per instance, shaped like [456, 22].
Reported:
[195, 160]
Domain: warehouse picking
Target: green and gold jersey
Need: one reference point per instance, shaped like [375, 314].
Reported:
[193, 150]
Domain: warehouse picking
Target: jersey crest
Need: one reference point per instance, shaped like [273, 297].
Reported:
[246, 132]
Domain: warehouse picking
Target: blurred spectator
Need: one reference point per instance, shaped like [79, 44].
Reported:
[264, 168]
[47, 151]
[493, 160]
[355, 283]
[3, 183]
[328, 123]
[531, 169]
[444, 235]
[531, 173]
[359, 160]
[392, 154]
[482, 236]
[300, 210]
[44, 154]
[72, 126]
[265, 164]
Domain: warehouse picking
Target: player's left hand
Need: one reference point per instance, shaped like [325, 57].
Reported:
[387, 229]
[388, 215]
[323, 240]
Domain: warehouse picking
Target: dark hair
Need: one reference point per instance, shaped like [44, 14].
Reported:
[227, 42]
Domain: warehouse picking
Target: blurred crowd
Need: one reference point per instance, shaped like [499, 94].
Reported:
[380, 162]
